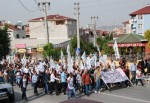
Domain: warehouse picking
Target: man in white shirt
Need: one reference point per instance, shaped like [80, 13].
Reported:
[112, 65]
[133, 68]
[52, 81]
[71, 89]
[138, 77]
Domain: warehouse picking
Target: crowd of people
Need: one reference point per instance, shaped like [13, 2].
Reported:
[40, 74]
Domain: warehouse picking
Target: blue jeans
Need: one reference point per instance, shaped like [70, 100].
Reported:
[98, 85]
[11, 80]
[46, 87]
[18, 81]
[87, 88]
[71, 93]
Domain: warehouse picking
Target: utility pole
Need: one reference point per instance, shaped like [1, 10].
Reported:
[43, 6]
[77, 8]
[94, 20]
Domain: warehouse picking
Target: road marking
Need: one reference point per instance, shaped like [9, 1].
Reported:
[140, 100]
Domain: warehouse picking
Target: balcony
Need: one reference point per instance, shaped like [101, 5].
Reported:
[133, 26]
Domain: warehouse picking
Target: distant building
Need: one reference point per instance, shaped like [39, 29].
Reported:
[14, 31]
[140, 20]
[61, 28]
[118, 31]
[127, 27]
[88, 34]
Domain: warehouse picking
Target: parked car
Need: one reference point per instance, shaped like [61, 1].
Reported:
[6, 91]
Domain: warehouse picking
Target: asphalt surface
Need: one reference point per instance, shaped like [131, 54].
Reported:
[117, 95]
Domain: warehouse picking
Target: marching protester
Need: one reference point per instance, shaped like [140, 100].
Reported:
[78, 82]
[64, 81]
[97, 77]
[133, 69]
[53, 81]
[26, 71]
[86, 81]
[127, 72]
[6, 77]
[23, 84]
[71, 88]
[139, 77]
[18, 76]
[46, 80]
[112, 65]
[11, 75]
[143, 66]
[34, 82]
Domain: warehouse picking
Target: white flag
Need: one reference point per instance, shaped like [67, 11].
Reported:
[98, 49]
[88, 63]
[69, 61]
[24, 60]
[116, 50]
[81, 65]
[83, 57]
[68, 49]
[52, 64]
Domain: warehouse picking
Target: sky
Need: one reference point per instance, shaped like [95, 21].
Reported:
[109, 12]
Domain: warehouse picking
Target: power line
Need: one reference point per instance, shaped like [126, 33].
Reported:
[36, 2]
[26, 7]
[90, 1]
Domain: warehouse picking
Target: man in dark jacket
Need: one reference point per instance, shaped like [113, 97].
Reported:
[144, 65]
[23, 84]
[46, 81]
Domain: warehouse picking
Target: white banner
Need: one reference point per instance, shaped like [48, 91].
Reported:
[114, 76]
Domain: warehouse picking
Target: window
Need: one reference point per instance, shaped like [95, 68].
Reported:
[27, 36]
[69, 22]
[140, 16]
[140, 26]
[60, 22]
[17, 35]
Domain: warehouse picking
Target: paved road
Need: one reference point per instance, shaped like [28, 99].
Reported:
[120, 95]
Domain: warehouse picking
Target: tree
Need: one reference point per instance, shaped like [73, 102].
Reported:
[49, 49]
[84, 46]
[73, 46]
[4, 43]
[56, 54]
[103, 44]
[147, 36]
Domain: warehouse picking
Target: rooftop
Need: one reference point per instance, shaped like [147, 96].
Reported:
[145, 10]
[52, 18]
[10, 26]
[129, 38]
[126, 22]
